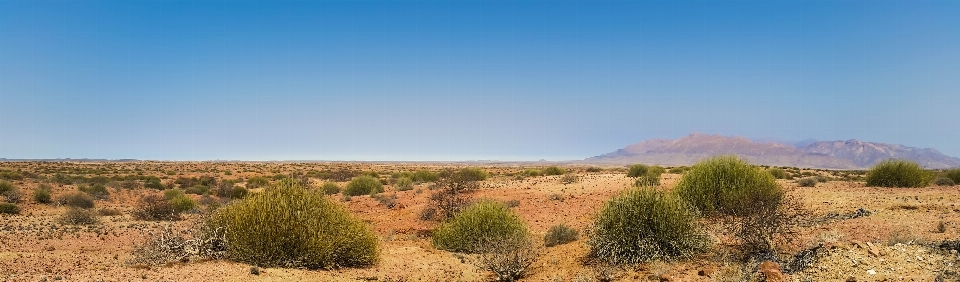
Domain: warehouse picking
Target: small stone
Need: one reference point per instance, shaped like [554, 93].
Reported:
[851, 279]
[254, 270]
[771, 272]
[872, 272]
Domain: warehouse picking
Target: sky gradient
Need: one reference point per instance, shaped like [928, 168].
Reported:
[467, 80]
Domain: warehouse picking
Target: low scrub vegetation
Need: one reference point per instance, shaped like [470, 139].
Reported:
[645, 175]
[553, 170]
[75, 199]
[484, 221]
[899, 174]
[727, 185]
[809, 181]
[953, 174]
[78, 216]
[97, 191]
[943, 181]
[404, 184]
[9, 192]
[330, 188]
[559, 235]
[42, 194]
[9, 208]
[363, 185]
[294, 227]
[642, 224]
[508, 258]
[778, 173]
[155, 207]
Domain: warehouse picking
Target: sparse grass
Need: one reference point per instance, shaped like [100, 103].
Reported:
[898, 173]
[389, 201]
[9, 208]
[727, 185]
[293, 227]
[559, 235]
[363, 185]
[903, 235]
[424, 176]
[9, 192]
[508, 258]
[569, 178]
[642, 224]
[512, 203]
[484, 221]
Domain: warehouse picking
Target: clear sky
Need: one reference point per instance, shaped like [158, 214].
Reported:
[466, 80]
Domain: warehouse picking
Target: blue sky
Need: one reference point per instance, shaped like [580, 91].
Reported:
[463, 80]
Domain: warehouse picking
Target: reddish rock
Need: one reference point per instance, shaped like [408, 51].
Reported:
[771, 272]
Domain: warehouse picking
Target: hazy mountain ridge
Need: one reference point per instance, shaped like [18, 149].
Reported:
[850, 154]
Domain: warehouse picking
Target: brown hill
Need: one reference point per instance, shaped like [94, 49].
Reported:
[852, 154]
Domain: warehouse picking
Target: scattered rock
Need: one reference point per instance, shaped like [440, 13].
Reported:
[708, 272]
[872, 272]
[851, 279]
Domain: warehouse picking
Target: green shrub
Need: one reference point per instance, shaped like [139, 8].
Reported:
[293, 227]
[641, 170]
[953, 174]
[594, 169]
[727, 185]
[643, 224]
[532, 172]
[482, 221]
[152, 182]
[9, 208]
[363, 185]
[898, 173]
[943, 181]
[197, 190]
[424, 176]
[257, 182]
[404, 184]
[677, 170]
[42, 194]
[471, 174]
[650, 177]
[553, 170]
[182, 203]
[807, 182]
[6, 186]
[97, 191]
[238, 192]
[330, 188]
[172, 193]
[778, 173]
[76, 199]
[559, 235]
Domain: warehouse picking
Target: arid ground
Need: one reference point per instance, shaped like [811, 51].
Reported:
[897, 238]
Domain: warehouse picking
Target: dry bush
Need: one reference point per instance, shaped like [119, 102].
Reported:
[169, 246]
[389, 201]
[903, 235]
[807, 182]
[155, 207]
[42, 194]
[363, 185]
[772, 224]
[451, 193]
[953, 175]
[508, 258]
[943, 181]
[109, 212]
[569, 178]
[78, 216]
[559, 235]
[404, 184]
[97, 191]
[75, 199]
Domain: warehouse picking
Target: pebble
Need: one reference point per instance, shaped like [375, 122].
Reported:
[872, 272]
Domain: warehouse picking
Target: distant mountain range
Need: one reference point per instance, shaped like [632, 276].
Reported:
[850, 154]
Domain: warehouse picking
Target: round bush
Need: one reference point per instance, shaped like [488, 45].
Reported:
[77, 200]
[363, 185]
[953, 174]
[643, 224]
[943, 181]
[484, 220]
[8, 208]
[97, 191]
[42, 194]
[559, 235]
[471, 174]
[425, 176]
[727, 185]
[898, 173]
[6, 186]
[290, 226]
[238, 192]
[778, 173]
[404, 184]
[809, 181]
[330, 188]
[637, 170]
[553, 170]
